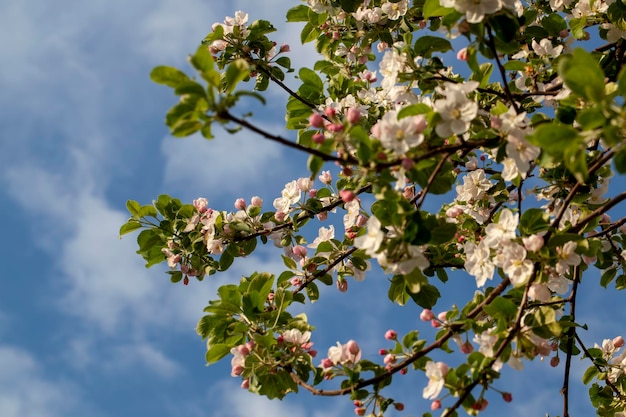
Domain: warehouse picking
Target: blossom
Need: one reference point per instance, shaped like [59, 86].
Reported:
[475, 10]
[346, 354]
[399, 135]
[436, 374]
[371, 241]
[474, 187]
[296, 336]
[567, 257]
[289, 196]
[395, 10]
[545, 49]
[456, 110]
[478, 262]
[503, 231]
[324, 235]
[516, 266]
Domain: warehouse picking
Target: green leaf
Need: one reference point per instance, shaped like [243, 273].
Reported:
[501, 308]
[217, 352]
[620, 161]
[299, 13]
[577, 27]
[554, 138]
[534, 220]
[237, 71]
[427, 296]
[170, 76]
[397, 292]
[590, 374]
[607, 277]
[133, 207]
[129, 226]
[583, 75]
[554, 24]
[427, 45]
[414, 110]
[434, 8]
[617, 14]
[309, 33]
[308, 76]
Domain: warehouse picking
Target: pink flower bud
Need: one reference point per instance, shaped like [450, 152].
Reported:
[318, 138]
[408, 193]
[357, 403]
[325, 177]
[243, 350]
[382, 352]
[335, 127]
[442, 316]
[435, 405]
[330, 111]
[506, 396]
[327, 363]
[422, 24]
[347, 195]
[389, 359]
[427, 315]
[285, 48]
[353, 347]
[299, 251]
[467, 348]
[237, 370]
[554, 361]
[245, 384]
[240, 204]
[436, 324]
[359, 411]
[407, 164]
[618, 342]
[454, 212]
[399, 406]
[256, 201]
[391, 334]
[353, 115]
[462, 55]
[316, 120]
[313, 353]
[279, 216]
[342, 285]
[322, 216]
[403, 371]
[201, 204]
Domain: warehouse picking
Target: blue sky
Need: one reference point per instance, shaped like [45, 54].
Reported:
[85, 329]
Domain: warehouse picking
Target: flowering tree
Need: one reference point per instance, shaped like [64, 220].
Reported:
[522, 137]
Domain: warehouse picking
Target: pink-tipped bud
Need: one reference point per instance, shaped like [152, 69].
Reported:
[237, 370]
[467, 348]
[427, 315]
[435, 405]
[359, 411]
[554, 361]
[442, 316]
[353, 115]
[353, 347]
[618, 342]
[285, 48]
[313, 353]
[382, 352]
[318, 138]
[330, 111]
[240, 204]
[342, 285]
[407, 164]
[403, 371]
[462, 55]
[390, 359]
[299, 251]
[327, 363]
[243, 350]
[335, 127]
[316, 120]
[347, 195]
[436, 324]
[280, 216]
[245, 384]
[256, 201]
[391, 334]
[399, 406]
[304, 184]
[506, 396]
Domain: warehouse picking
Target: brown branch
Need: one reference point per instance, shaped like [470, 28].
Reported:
[421, 196]
[599, 367]
[409, 360]
[226, 115]
[324, 271]
[570, 342]
[492, 45]
[599, 211]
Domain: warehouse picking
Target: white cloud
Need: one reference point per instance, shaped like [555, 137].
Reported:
[26, 392]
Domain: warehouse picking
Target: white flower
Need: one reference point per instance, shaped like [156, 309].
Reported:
[475, 186]
[371, 241]
[456, 110]
[296, 336]
[545, 49]
[395, 10]
[503, 231]
[289, 196]
[475, 10]
[516, 266]
[399, 135]
[325, 234]
[567, 257]
[436, 374]
[478, 262]
[413, 258]
[352, 208]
